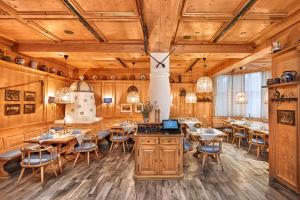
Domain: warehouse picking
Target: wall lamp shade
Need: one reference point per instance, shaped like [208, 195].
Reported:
[191, 97]
[204, 84]
[133, 95]
[107, 100]
[241, 98]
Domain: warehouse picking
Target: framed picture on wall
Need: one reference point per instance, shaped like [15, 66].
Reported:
[29, 96]
[286, 117]
[138, 107]
[126, 107]
[29, 108]
[12, 95]
[12, 109]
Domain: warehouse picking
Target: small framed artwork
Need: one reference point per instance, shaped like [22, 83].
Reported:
[29, 96]
[138, 108]
[12, 95]
[126, 107]
[29, 108]
[286, 117]
[12, 109]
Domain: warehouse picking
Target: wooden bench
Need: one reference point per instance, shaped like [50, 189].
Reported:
[8, 156]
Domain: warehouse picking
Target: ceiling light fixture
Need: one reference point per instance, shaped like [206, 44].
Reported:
[191, 96]
[204, 83]
[133, 95]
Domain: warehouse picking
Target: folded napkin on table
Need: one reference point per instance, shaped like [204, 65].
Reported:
[76, 131]
[45, 136]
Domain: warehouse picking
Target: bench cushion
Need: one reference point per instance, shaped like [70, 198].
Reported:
[16, 153]
[103, 134]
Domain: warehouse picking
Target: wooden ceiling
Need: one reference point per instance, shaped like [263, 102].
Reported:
[98, 34]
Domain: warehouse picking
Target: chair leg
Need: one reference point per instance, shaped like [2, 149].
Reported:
[127, 145]
[77, 156]
[239, 142]
[42, 175]
[88, 158]
[219, 161]
[257, 152]
[233, 140]
[53, 169]
[124, 148]
[203, 161]
[21, 174]
[96, 152]
[111, 146]
[133, 148]
[249, 147]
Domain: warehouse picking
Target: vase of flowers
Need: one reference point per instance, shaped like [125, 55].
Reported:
[146, 110]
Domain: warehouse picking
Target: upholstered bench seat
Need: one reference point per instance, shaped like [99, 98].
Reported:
[103, 134]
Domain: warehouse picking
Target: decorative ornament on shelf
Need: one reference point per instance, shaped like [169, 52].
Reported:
[19, 60]
[241, 98]
[276, 46]
[64, 95]
[204, 83]
[133, 95]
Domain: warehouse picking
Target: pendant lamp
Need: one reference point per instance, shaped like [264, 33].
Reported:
[191, 97]
[204, 83]
[133, 96]
[64, 95]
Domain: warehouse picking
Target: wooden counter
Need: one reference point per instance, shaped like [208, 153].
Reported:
[158, 156]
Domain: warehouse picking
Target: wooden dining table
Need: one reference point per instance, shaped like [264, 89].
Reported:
[64, 142]
[260, 127]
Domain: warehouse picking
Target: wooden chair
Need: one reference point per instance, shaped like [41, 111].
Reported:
[118, 135]
[212, 148]
[257, 139]
[239, 133]
[39, 157]
[89, 144]
[228, 130]
[198, 125]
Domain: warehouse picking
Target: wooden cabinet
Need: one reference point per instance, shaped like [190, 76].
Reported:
[158, 156]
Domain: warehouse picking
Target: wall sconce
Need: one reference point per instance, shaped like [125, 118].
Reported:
[107, 100]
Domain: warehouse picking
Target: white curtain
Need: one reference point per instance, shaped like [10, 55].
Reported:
[227, 87]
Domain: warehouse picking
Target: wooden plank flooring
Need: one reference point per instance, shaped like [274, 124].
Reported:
[111, 177]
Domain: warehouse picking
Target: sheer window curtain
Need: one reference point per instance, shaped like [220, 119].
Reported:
[227, 87]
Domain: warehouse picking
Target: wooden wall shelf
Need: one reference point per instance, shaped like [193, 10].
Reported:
[281, 84]
[283, 51]
[26, 69]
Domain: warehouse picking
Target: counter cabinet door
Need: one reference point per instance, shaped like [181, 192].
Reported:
[169, 160]
[148, 160]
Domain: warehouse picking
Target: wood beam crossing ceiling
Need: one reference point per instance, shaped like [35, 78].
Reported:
[95, 33]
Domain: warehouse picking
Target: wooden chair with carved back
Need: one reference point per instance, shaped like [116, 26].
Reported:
[257, 139]
[239, 133]
[117, 136]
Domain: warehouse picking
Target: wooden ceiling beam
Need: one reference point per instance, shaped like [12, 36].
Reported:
[123, 63]
[231, 64]
[192, 65]
[213, 48]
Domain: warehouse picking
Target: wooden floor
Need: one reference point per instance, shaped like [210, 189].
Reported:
[111, 177]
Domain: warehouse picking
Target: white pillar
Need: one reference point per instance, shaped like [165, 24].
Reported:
[159, 87]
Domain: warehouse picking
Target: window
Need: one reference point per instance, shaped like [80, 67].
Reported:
[227, 87]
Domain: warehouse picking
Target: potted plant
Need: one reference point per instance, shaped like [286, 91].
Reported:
[146, 110]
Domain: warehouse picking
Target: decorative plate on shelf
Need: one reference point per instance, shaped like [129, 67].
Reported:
[95, 77]
[113, 77]
[143, 77]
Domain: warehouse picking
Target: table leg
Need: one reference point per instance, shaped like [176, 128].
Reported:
[3, 173]
[59, 157]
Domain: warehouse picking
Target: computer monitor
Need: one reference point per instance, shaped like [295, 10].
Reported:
[170, 125]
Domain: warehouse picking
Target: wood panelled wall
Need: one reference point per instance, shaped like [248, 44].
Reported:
[284, 151]
[118, 91]
[15, 128]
